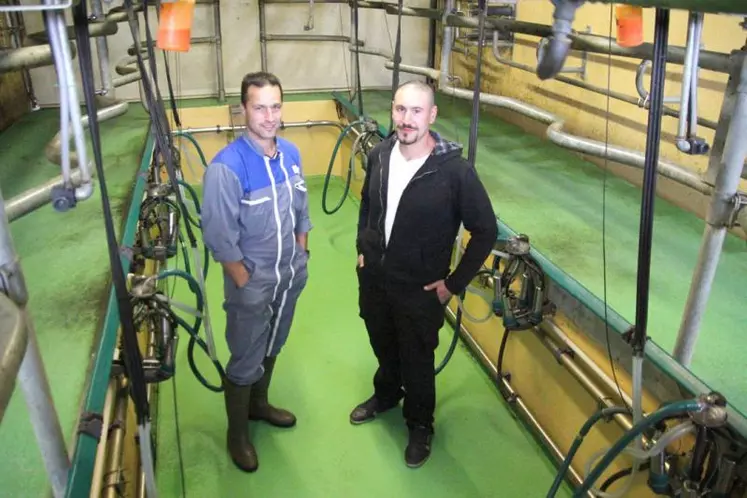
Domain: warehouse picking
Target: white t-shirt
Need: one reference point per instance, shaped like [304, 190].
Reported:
[401, 172]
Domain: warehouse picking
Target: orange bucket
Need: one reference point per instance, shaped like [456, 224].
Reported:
[629, 25]
[175, 27]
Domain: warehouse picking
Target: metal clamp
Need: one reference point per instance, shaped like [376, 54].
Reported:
[91, 424]
[739, 201]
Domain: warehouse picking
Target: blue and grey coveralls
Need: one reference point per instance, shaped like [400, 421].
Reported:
[253, 208]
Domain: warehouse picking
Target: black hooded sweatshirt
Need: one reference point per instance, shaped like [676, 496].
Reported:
[444, 192]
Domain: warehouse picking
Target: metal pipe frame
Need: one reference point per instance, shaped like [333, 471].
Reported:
[311, 38]
[720, 217]
[723, 197]
[115, 434]
[107, 412]
[31, 374]
[283, 126]
[713, 61]
[219, 51]
[18, 31]
[262, 34]
[40, 196]
[601, 91]
[13, 345]
[69, 104]
[102, 49]
[566, 140]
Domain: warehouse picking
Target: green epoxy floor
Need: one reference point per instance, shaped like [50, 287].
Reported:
[324, 371]
[537, 188]
[555, 197]
[66, 265]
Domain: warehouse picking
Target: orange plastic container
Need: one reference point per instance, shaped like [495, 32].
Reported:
[175, 27]
[629, 25]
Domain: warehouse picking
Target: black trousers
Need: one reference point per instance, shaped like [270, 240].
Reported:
[403, 322]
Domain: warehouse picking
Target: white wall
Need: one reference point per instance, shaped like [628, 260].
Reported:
[300, 66]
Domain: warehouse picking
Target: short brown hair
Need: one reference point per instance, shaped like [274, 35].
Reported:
[259, 79]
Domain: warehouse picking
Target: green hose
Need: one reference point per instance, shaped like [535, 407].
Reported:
[669, 411]
[195, 199]
[343, 134]
[193, 330]
[192, 139]
[600, 414]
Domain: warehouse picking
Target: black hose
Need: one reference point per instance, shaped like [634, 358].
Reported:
[132, 358]
[457, 327]
[397, 59]
[472, 152]
[359, 88]
[620, 474]
[653, 137]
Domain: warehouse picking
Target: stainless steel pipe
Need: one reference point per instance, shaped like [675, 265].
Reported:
[726, 192]
[519, 403]
[28, 57]
[598, 90]
[556, 135]
[31, 375]
[713, 61]
[295, 124]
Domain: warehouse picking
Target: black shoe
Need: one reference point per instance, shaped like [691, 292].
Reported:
[367, 411]
[419, 447]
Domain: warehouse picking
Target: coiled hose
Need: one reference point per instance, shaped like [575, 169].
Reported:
[357, 147]
[669, 411]
[193, 330]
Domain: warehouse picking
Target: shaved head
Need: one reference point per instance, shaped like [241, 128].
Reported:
[410, 87]
[413, 112]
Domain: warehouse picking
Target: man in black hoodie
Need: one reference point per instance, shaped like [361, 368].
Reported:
[404, 260]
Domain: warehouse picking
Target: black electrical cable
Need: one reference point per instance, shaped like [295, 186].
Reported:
[172, 100]
[397, 58]
[472, 152]
[359, 87]
[653, 137]
[164, 126]
[132, 359]
[432, 25]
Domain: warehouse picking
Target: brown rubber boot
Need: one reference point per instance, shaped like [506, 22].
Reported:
[260, 408]
[237, 437]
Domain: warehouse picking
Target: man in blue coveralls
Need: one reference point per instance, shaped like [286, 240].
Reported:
[255, 221]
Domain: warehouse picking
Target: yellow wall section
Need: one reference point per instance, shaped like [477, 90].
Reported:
[316, 144]
[585, 112]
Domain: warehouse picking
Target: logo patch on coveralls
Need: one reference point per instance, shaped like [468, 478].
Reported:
[296, 169]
